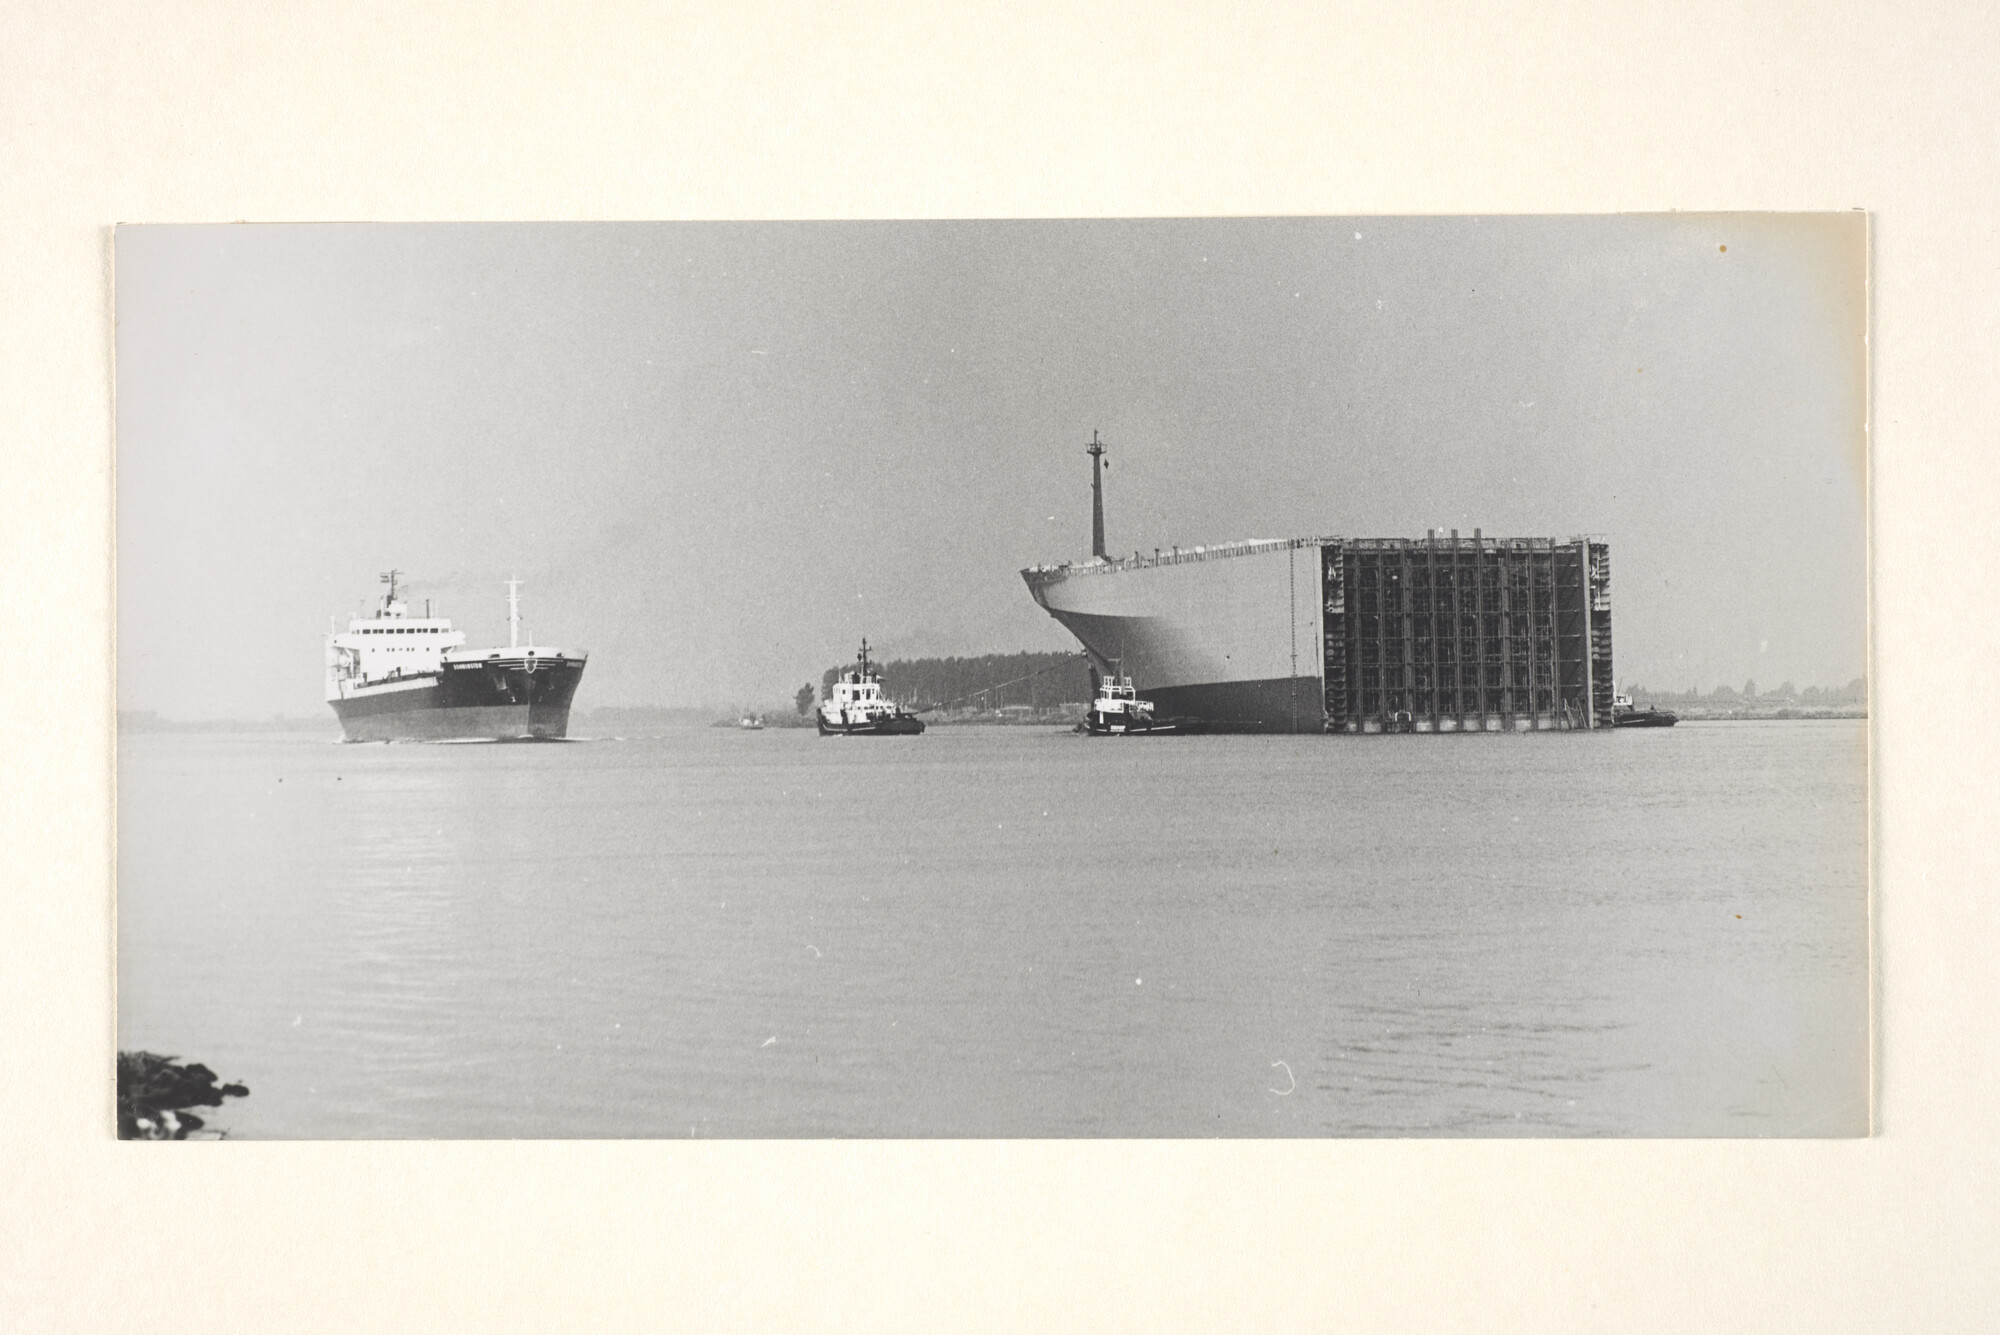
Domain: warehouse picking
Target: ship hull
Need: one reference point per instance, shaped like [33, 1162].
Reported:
[1352, 635]
[1274, 704]
[496, 699]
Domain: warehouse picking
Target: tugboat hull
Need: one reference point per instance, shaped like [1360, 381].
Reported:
[1099, 725]
[1646, 718]
[902, 725]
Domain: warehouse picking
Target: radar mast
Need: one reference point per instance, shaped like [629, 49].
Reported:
[1097, 467]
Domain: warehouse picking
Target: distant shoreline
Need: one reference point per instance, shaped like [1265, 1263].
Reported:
[623, 719]
[1760, 713]
[145, 720]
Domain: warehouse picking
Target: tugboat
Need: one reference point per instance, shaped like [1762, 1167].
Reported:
[1623, 715]
[1119, 712]
[855, 707]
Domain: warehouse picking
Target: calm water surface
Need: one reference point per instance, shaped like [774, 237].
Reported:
[1007, 932]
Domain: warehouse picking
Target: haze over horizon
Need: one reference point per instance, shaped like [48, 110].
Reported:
[717, 454]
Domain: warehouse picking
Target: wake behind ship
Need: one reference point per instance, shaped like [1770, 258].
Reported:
[1432, 634]
[392, 677]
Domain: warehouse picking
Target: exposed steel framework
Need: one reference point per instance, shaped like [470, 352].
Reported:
[1466, 634]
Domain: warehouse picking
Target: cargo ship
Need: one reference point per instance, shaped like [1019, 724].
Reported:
[1348, 635]
[393, 677]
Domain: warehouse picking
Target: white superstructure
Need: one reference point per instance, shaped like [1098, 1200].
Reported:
[392, 650]
[855, 706]
[1118, 707]
[856, 697]
[389, 647]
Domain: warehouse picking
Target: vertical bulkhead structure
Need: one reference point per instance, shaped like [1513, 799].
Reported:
[1354, 635]
[1462, 635]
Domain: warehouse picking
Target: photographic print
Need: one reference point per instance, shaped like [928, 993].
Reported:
[1253, 677]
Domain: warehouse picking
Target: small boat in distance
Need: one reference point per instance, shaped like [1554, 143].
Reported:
[1117, 711]
[856, 707]
[1623, 715]
[751, 721]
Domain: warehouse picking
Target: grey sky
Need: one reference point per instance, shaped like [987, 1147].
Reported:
[718, 454]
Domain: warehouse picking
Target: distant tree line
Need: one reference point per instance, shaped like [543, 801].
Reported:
[987, 681]
[1854, 693]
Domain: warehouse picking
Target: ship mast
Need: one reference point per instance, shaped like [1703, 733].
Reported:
[513, 614]
[1096, 453]
[389, 599]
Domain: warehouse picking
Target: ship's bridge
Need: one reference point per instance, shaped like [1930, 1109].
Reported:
[390, 644]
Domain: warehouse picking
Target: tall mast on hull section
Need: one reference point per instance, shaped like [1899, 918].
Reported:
[1097, 466]
[513, 614]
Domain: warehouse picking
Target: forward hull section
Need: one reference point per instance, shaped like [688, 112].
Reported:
[1229, 637]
